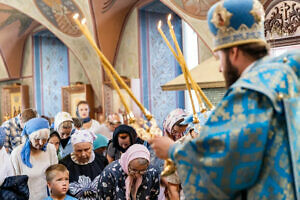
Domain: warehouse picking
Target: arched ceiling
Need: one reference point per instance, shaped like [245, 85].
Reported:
[106, 19]
[14, 29]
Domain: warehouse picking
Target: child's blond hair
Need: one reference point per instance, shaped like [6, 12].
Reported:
[51, 171]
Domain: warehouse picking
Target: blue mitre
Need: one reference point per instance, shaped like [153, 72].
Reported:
[236, 22]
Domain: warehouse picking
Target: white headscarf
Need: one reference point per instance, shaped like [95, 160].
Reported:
[60, 118]
[83, 136]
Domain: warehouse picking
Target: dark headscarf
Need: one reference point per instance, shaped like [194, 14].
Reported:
[125, 129]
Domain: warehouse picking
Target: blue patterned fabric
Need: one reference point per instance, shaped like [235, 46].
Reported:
[2, 136]
[244, 144]
[13, 132]
[64, 151]
[234, 22]
[202, 117]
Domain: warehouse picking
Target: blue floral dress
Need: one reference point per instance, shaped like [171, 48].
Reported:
[112, 183]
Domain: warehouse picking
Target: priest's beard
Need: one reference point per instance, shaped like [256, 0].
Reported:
[231, 73]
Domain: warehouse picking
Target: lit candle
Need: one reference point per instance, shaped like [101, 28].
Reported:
[181, 63]
[106, 64]
[172, 33]
[166, 40]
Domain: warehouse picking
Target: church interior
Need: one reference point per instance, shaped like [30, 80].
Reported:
[48, 64]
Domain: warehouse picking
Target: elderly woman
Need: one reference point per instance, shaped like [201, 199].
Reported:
[63, 124]
[84, 166]
[34, 156]
[5, 167]
[130, 177]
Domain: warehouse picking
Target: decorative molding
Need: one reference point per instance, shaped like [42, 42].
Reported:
[282, 19]
[194, 8]
[289, 41]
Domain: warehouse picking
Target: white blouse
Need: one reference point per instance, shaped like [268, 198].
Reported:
[37, 180]
[6, 168]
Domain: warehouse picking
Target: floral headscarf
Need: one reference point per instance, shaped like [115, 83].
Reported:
[172, 118]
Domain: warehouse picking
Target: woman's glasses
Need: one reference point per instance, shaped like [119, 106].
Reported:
[134, 171]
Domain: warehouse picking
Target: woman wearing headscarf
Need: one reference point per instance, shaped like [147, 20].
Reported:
[130, 177]
[84, 166]
[172, 124]
[34, 156]
[173, 128]
[123, 137]
[83, 113]
[63, 124]
[100, 144]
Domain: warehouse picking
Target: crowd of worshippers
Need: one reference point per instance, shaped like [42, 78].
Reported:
[79, 158]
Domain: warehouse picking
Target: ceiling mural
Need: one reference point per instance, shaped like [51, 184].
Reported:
[60, 13]
[107, 5]
[194, 8]
[16, 16]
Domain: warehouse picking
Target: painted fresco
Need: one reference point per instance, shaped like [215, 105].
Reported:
[60, 13]
[51, 72]
[107, 5]
[198, 24]
[194, 8]
[158, 66]
[16, 16]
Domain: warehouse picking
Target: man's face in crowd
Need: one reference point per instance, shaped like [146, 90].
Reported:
[230, 72]
[83, 110]
[83, 151]
[124, 140]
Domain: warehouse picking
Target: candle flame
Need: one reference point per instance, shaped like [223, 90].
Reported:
[75, 16]
[83, 21]
[169, 16]
[159, 24]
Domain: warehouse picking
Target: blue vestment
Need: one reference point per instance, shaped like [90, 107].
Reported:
[244, 144]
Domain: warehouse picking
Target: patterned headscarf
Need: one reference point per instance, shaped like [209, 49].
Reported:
[172, 118]
[82, 136]
[133, 152]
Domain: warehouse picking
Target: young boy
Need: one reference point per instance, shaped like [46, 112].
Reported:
[57, 177]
